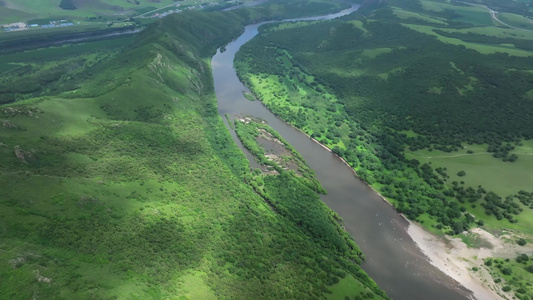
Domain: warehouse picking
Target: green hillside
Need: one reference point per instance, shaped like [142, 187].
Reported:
[118, 180]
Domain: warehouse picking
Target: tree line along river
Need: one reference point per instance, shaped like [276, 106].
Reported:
[393, 260]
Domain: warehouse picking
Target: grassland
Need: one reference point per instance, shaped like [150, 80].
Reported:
[482, 169]
[406, 15]
[516, 20]
[469, 14]
[479, 47]
[25, 10]
[349, 287]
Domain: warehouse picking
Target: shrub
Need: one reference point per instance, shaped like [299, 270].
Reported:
[507, 271]
[506, 288]
[67, 4]
[530, 268]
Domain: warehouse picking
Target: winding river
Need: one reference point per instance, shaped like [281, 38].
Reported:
[392, 258]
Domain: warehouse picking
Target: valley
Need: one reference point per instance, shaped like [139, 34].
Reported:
[119, 179]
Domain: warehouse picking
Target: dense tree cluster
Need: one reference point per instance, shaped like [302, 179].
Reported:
[67, 4]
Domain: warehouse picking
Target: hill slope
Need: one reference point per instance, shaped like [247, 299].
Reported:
[125, 184]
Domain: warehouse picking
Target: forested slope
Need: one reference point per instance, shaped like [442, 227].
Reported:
[431, 103]
[380, 85]
[121, 182]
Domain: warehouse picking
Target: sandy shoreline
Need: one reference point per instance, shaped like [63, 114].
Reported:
[455, 259]
[452, 256]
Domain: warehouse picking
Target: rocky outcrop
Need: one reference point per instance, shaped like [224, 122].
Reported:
[8, 124]
[23, 155]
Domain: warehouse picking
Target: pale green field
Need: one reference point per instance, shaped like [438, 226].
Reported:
[393, 71]
[481, 48]
[347, 287]
[197, 288]
[8, 15]
[405, 14]
[23, 10]
[409, 133]
[359, 25]
[469, 14]
[503, 178]
[373, 53]
[272, 92]
[529, 94]
[516, 20]
[495, 31]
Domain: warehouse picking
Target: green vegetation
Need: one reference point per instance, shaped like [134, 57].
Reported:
[20, 41]
[248, 96]
[348, 288]
[292, 189]
[93, 11]
[516, 20]
[119, 180]
[512, 275]
[429, 101]
[474, 240]
[280, 156]
[409, 106]
[50, 71]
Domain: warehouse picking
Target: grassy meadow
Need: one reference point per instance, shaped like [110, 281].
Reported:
[482, 169]
[25, 10]
[515, 20]
[479, 47]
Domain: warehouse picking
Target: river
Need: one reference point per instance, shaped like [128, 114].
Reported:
[392, 258]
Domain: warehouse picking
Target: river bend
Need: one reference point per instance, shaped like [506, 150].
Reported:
[392, 258]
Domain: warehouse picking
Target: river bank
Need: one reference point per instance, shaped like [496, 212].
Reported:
[453, 257]
[449, 255]
[393, 260]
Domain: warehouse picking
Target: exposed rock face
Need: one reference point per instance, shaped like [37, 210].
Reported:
[27, 111]
[87, 201]
[8, 124]
[22, 259]
[41, 278]
[23, 155]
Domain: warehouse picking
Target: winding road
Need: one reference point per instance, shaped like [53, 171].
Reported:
[493, 15]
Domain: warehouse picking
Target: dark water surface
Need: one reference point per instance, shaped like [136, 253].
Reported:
[392, 258]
